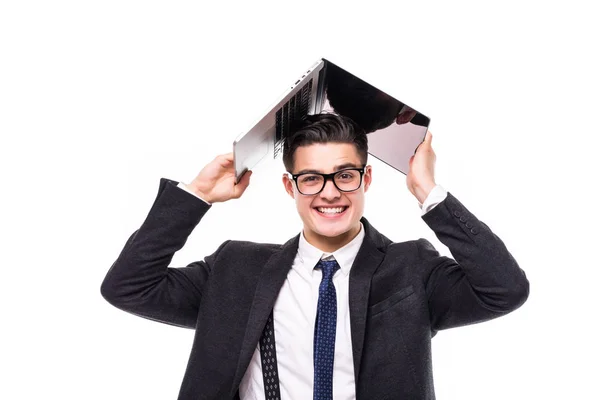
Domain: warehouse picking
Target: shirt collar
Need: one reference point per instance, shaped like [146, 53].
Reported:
[309, 255]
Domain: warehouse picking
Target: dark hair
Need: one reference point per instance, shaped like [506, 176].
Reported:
[324, 128]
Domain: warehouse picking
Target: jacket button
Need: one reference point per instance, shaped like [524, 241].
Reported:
[463, 219]
[474, 231]
[468, 225]
[456, 214]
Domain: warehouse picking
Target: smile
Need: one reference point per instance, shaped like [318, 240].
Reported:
[331, 211]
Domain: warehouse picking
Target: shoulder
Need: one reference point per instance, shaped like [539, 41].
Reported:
[417, 256]
[417, 248]
[239, 260]
[425, 249]
[244, 248]
[410, 250]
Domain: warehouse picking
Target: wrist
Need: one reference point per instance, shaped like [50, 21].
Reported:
[422, 191]
[200, 193]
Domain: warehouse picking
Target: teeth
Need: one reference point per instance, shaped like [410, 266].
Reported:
[336, 210]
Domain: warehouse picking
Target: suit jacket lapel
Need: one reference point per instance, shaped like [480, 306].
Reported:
[269, 284]
[367, 260]
[273, 275]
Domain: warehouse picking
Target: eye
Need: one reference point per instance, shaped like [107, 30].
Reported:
[346, 175]
[310, 178]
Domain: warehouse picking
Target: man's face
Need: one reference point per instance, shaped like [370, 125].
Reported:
[328, 227]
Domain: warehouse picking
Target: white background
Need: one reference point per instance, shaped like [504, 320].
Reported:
[99, 100]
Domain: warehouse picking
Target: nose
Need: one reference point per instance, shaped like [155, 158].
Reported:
[330, 191]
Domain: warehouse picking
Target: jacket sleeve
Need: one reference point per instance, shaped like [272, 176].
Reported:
[482, 282]
[140, 280]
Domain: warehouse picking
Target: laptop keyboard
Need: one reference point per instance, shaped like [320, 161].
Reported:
[295, 109]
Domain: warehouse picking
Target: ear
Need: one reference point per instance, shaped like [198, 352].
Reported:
[288, 185]
[367, 177]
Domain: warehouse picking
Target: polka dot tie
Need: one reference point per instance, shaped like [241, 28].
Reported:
[324, 342]
[268, 359]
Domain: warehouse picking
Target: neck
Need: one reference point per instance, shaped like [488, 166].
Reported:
[330, 244]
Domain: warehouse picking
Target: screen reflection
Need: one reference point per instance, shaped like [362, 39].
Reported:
[394, 129]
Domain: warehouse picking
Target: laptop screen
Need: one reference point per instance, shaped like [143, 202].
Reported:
[394, 130]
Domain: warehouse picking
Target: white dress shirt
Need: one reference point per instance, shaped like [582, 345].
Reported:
[294, 316]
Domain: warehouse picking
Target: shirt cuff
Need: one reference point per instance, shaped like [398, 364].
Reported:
[184, 187]
[435, 197]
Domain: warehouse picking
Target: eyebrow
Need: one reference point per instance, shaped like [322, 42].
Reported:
[336, 168]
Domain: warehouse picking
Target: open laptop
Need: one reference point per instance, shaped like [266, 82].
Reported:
[394, 130]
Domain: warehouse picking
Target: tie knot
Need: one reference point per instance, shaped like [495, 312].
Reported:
[329, 268]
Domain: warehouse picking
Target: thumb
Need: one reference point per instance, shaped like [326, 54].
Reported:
[428, 137]
[242, 185]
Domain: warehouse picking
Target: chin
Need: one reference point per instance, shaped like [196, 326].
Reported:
[332, 232]
[333, 228]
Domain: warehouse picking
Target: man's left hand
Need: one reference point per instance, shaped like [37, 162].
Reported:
[420, 179]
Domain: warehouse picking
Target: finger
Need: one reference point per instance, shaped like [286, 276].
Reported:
[242, 185]
[428, 137]
[425, 145]
[225, 160]
[420, 147]
[226, 157]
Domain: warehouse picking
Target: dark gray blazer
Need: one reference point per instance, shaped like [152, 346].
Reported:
[401, 294]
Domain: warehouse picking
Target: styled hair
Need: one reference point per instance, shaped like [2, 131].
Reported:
[324, 128]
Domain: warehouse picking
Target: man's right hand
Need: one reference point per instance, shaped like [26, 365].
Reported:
[216, 182]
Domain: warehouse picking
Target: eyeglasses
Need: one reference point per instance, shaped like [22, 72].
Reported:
[345, 180]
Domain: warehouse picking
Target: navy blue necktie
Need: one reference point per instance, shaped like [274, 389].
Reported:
[324, 344]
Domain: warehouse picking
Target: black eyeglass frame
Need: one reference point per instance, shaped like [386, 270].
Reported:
[327, 177]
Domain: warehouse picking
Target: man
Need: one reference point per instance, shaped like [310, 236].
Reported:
[338, 311]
